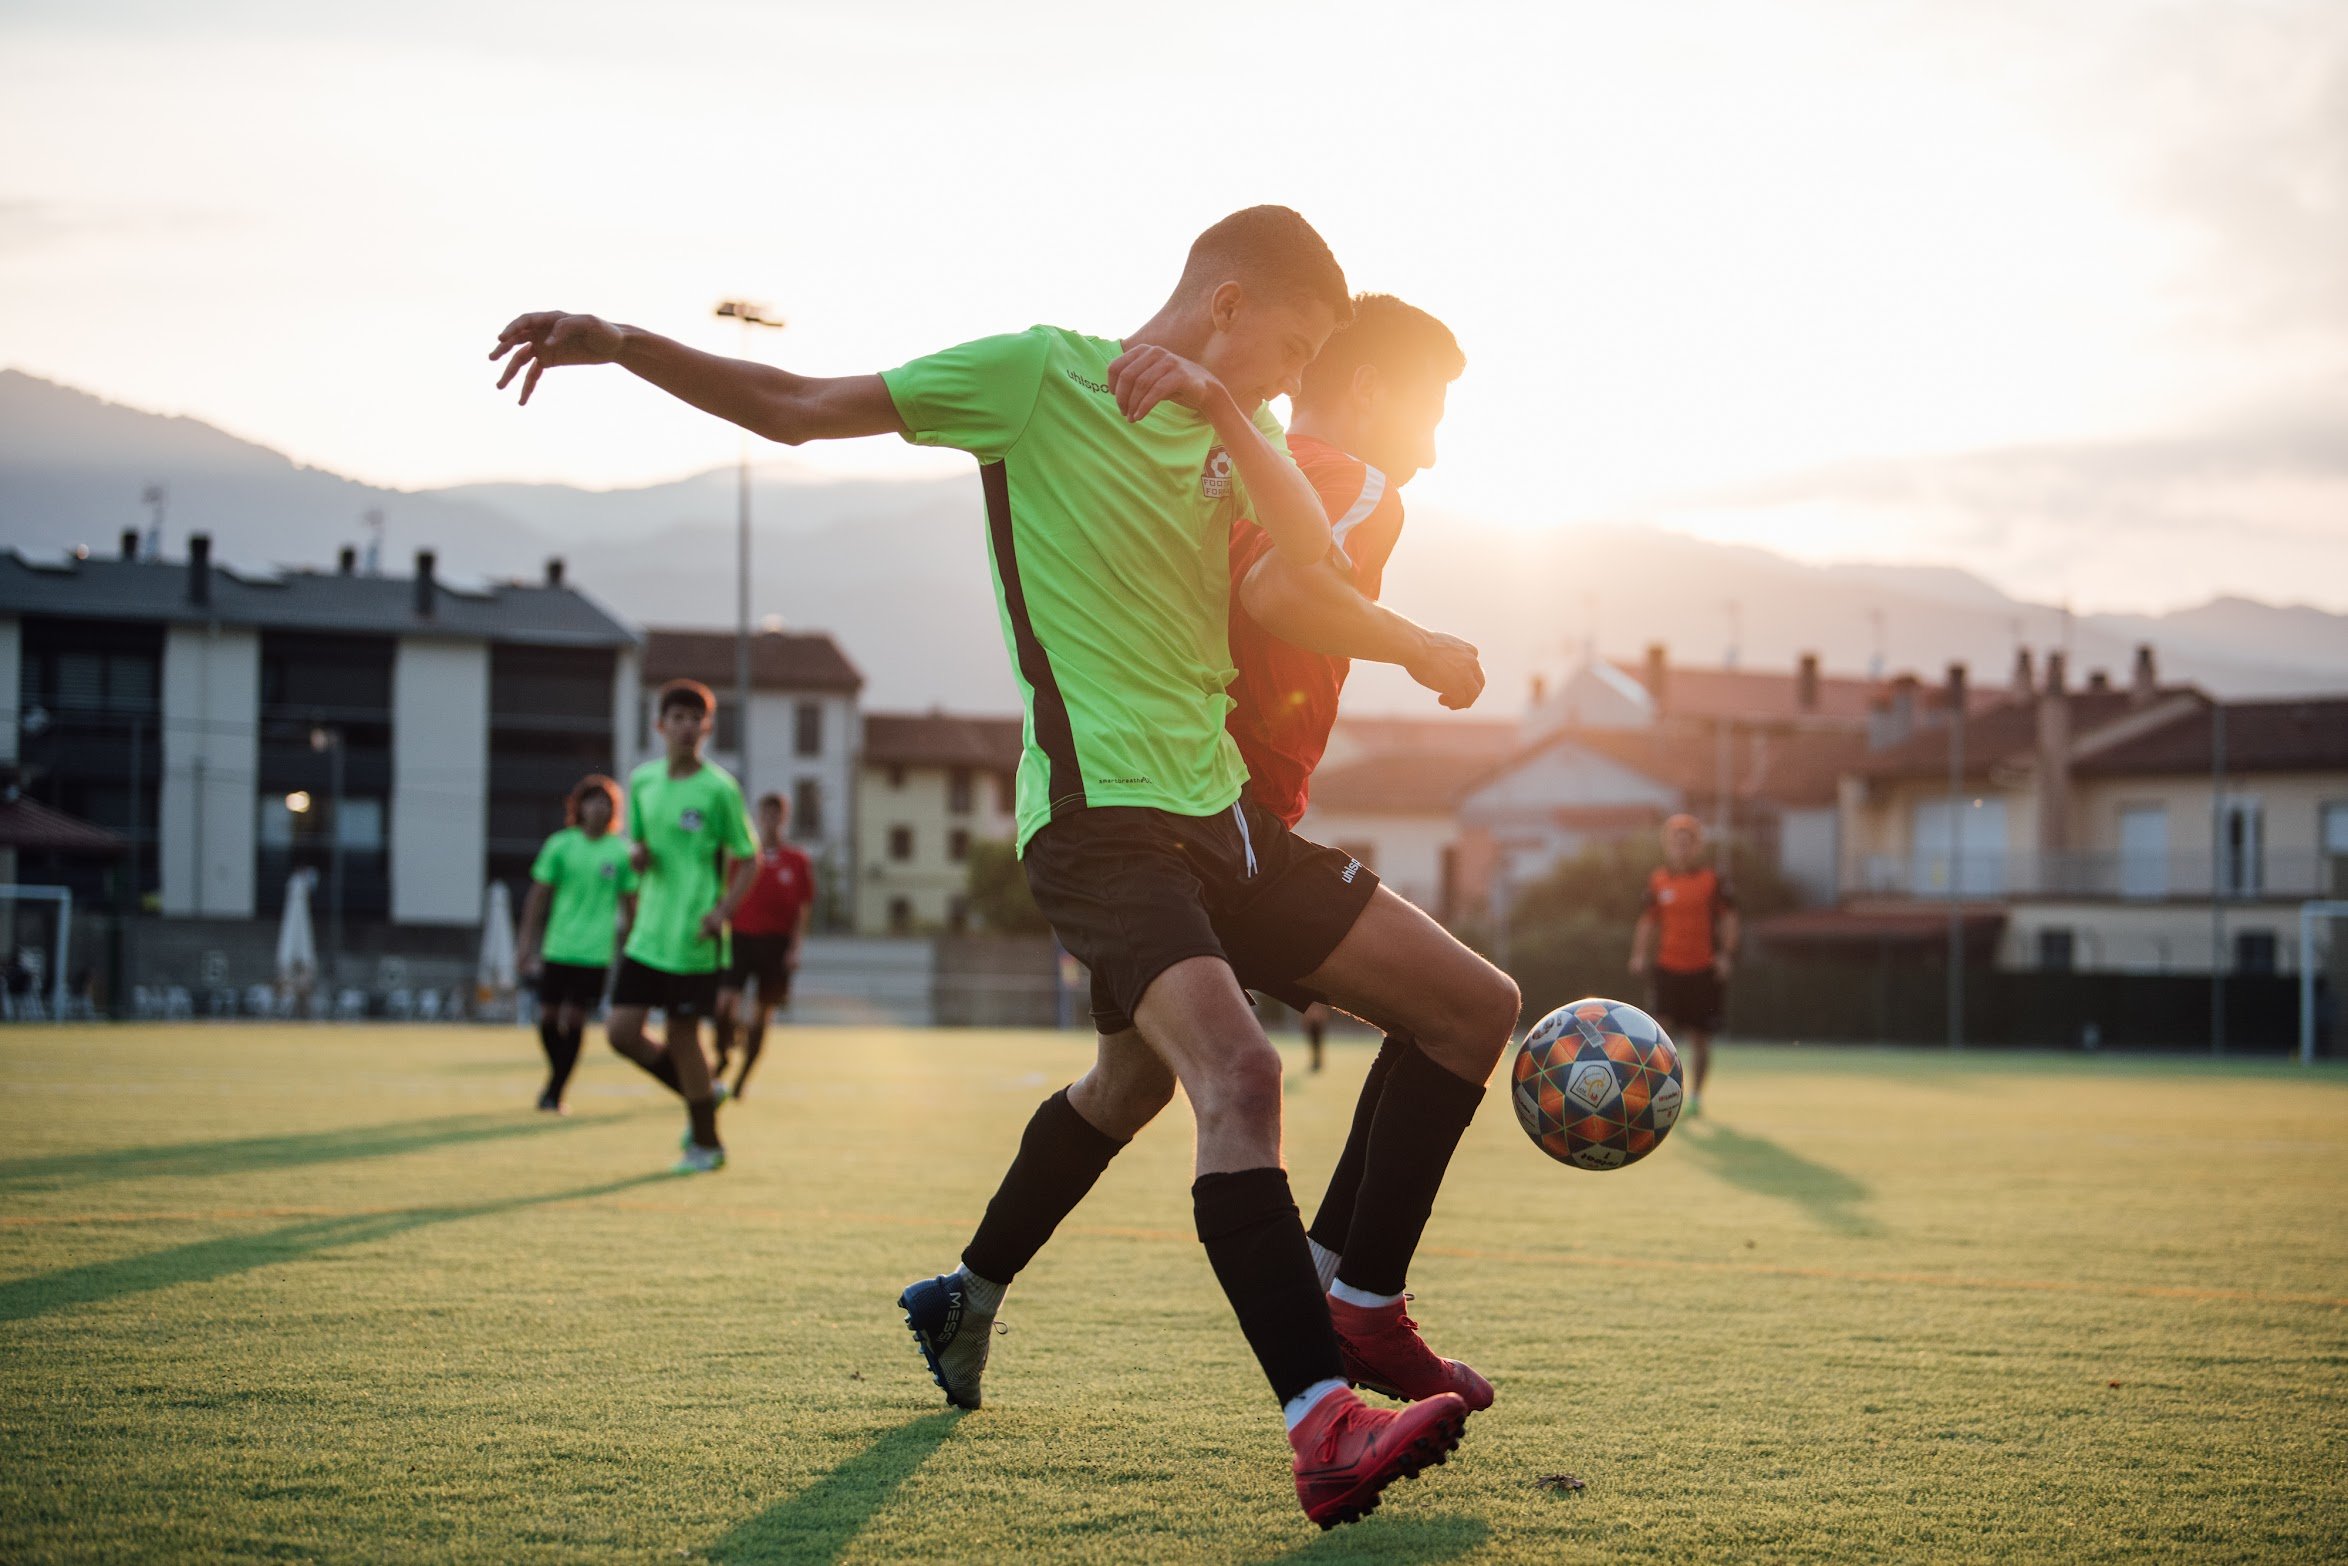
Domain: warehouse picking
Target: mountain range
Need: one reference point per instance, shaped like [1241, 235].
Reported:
[896, 570]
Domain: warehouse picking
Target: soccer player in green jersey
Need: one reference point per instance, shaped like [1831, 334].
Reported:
[691, 845]
[1113, 470]
[582, 893]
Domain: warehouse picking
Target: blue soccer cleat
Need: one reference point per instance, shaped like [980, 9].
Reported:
[951, 1336]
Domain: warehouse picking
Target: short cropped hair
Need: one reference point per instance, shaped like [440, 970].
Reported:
[770, 797]
[587, 788]
[1272, 249]
[685, 693]
[1404, 342]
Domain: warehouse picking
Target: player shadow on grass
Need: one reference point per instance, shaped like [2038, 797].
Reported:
[1403, 1541]
[822, 1520]
[257, 1154]
[1756, 1164]
[203, 1261]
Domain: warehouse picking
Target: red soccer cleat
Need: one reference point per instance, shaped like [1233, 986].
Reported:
[1347, 1451]
[1384, 1353]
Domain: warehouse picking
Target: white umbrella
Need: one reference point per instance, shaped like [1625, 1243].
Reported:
[297, 949]
[496, 977]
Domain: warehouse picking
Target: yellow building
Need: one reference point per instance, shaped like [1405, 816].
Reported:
[929, 787]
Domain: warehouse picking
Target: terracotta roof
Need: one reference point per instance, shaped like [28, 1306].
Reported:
[1490, 738]
[2003, 734]
[1400, 784]
[779, 660]
[29, 824]
[1769, 696]
[941, 739]
[2261, 736]
[1796, 767]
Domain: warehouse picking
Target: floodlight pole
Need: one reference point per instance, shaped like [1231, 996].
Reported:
[749, 315]
[1956, 957]
[2217, 877]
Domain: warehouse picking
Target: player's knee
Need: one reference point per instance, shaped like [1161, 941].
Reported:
[1245, 1086]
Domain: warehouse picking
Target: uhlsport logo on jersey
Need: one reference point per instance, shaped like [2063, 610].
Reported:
[690, 820]
[1214, 480]
[1353, 867]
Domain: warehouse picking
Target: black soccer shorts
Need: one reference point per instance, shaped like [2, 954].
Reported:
[570, 984]
[680, 995]
[1132, 891]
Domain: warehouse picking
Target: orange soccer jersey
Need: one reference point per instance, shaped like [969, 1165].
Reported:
[1285, 698]
[1687, 905]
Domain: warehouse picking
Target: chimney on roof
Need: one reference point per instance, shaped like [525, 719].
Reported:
[130, 543]
[2099, 680]
[1806, 683]
[1955, 699]
[1657, 669]
[2025, 672]
[346, 560]
[554, 571]
[2054, 766]
[425, 560]
[200, 569]
[2144, 680]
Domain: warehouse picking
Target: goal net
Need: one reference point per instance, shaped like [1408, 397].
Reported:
[36, 929]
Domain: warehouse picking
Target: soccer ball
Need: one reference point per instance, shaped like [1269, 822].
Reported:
[1597, 1084]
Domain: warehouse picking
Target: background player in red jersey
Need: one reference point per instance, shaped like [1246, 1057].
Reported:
[1692, 907]
[767, 928]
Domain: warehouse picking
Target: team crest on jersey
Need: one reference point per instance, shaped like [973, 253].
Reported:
[608, 870]
[1214, 480]
[690, 820]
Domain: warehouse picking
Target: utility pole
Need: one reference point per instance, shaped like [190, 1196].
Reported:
[750, 315]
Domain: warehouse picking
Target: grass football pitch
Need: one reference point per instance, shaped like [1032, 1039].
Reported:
[285, 1293]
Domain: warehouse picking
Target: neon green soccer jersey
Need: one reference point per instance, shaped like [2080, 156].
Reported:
[687, 824]
[587, 876]
[1111, 547]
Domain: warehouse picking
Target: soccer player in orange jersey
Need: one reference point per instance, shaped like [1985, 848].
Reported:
[1686, 938]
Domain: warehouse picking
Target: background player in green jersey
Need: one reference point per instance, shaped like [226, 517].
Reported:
[1113, 471]
[582, 894]
[689, 839]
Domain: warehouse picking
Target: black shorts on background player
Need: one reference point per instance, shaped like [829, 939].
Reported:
[657, 989]
[571, 984]
[765, 960]
[1689, 1000]
[1132, 891]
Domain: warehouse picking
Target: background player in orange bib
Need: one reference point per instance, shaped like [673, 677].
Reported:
[1693, 910]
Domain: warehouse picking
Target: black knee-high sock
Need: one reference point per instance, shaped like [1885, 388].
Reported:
[1420, 1118]
[704, 1115]
[1336, 1215]
[1061, 1156]
[562, 1055]
[1255, 1242]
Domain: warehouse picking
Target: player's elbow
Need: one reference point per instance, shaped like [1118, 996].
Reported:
[784, 419]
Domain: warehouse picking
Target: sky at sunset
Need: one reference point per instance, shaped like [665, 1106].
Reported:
[2053, 292]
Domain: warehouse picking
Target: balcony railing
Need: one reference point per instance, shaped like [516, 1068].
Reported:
[2098, 876]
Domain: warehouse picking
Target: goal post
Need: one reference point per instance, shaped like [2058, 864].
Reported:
[2311, 915]
[60, 951]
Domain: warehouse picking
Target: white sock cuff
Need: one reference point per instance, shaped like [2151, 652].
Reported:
[1324, 1262]
[1297, 1407]
[978, 1294]
[1362, 1297]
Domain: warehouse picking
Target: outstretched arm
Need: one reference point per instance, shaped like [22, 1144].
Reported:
[762, 399]
[1316, 608]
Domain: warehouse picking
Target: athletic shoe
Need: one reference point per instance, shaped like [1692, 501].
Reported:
[952, 1337]
[1384, 1353]
[1347, 1451]
[719, 1092]
[1695, 1106]
[700, 1160]
[552, 1105]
